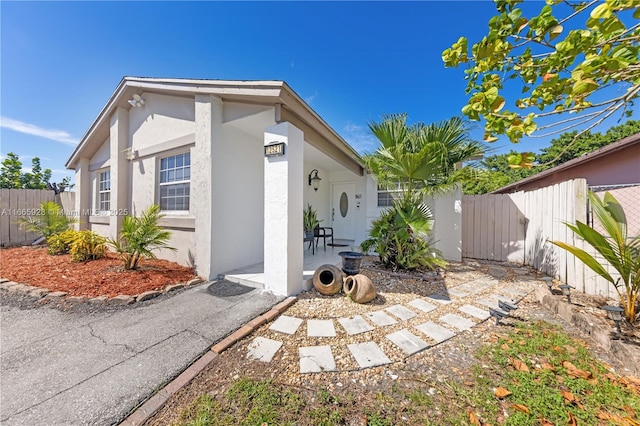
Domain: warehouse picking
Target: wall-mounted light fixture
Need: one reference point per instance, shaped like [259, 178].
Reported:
[314, 179]
[136, 101]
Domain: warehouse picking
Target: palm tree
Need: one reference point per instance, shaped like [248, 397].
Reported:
[420, 157]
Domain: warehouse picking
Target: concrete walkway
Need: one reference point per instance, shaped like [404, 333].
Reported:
[62, 368]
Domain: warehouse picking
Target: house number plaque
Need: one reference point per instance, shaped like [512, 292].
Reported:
[274, 149]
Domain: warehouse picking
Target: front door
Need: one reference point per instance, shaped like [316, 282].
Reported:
[343, 210]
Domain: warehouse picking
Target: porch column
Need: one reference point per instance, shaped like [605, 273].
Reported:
[208, 123]
[283, 180]
[119, 169]
[83, 191]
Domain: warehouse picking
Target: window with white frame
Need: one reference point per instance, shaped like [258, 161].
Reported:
[175, 176]
[104, 191]
[386, 194]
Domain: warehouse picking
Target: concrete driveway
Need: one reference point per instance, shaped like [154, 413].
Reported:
[69, 368]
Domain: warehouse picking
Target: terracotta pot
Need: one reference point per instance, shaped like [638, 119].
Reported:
[359, 288]
[328, 280]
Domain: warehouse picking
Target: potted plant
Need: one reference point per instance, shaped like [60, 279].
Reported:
[309, 221]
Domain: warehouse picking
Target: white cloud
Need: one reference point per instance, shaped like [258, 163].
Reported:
[310, 99]
[360, 138]
[31, 129]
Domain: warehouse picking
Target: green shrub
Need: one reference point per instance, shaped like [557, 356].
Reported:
[61, 243]
[401, 236]
[87, 245]
[49, 220]
[140, 236]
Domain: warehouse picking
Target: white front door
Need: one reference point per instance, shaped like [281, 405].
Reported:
[343, 210]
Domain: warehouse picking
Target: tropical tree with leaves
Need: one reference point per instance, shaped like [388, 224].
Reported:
[571, 78]
[421, 159]
[12, 177]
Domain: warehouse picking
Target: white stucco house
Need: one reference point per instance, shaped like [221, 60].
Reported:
[229, 164]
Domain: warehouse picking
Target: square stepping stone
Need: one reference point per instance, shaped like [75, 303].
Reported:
[422, 305]
[286, 325]
[368, 354]
[320, 328]
[407, 341]
[457, 321]
[316, 359]
[477, 286]
[401, 312]
[445, 300]
[474, 311]
[435, 331]
[489, 302]
[263, 349]
[457, 292]
[380, 318]
[355, 325]
[492, 301]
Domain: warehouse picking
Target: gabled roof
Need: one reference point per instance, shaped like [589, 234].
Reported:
[289, 107]
[584, 158]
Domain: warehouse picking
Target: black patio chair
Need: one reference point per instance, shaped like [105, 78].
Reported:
[323, 232]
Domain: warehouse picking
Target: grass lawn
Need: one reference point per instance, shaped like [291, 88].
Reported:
[533, 375]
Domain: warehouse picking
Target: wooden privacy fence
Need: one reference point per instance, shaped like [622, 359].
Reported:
[518, 227]
[17, 203]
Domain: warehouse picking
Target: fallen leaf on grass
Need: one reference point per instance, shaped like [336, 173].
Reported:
[572, 420]
[522, 342]
[504, 346]
[630, 411]
[568, 396]
[519, 365]
[501, 392]
[570, 349]
[473, 419]
[622, 421]
[547, 366]
[575, 371]
[469, 383]
[545, 422]
[520, 407]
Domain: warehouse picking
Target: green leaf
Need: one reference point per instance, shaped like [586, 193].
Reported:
[555, 32]
[601, 12]
[584, 86]
[498, 104]
[586, 258]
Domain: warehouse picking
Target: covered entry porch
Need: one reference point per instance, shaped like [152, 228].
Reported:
[253, 275]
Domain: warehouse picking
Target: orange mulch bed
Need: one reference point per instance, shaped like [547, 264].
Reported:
[102, 277]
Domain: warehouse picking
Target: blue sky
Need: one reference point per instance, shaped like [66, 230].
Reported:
[351, 61]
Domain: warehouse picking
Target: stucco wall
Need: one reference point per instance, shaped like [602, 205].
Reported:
[238, 209]
[162, 118]
[447, 214]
